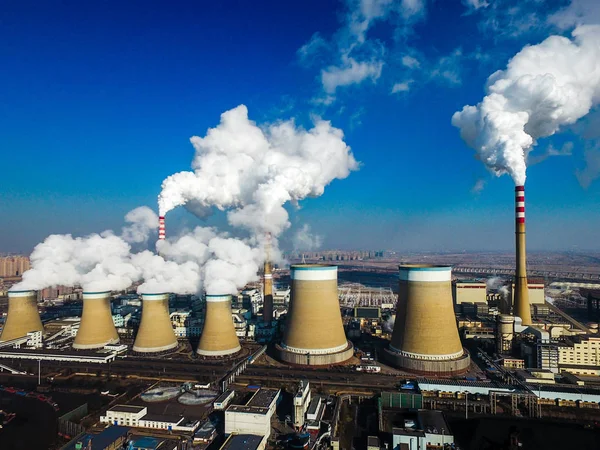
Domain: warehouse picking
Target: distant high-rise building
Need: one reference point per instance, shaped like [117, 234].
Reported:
[13, 266]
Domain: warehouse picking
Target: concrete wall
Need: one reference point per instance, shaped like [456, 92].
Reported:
[247, 423]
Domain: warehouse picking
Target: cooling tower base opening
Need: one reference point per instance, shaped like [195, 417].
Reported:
[94, 345]
[456, 366]
[218, 353]
[308, 359]
[154, 350]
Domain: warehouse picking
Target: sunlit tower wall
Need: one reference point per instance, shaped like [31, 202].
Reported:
[155, 334]
[23, 316]
[96, 328]
[521, 306]
[425, 338]
[505, 330]
[314, 334]
[218, 336]
[268, 294]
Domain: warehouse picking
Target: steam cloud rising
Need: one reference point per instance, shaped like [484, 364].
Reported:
[252, 172]
[544, 87]
[248, 171]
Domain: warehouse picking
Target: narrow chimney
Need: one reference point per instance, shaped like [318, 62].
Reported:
[521, 292]
[161, 228]
[268, 284]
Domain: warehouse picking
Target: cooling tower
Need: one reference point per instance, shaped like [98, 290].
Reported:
[161, 228]
[218, 336]
[314, 333]
[521, 306]
[97, 327]
[268, 294]
[155, 333]
[23, 316]
[505, 330]
[425, 338]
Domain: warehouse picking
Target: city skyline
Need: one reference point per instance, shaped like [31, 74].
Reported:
[117, 92]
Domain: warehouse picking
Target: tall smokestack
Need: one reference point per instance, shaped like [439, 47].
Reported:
[268, 284]
[96, 328]
[161, 228]
[23, 316]
[155, 333]
[314, 332]
[521, 293]
[218, 336]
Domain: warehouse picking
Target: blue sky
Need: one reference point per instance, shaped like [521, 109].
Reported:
[99, 99]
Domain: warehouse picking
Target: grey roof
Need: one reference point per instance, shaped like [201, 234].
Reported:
[127, 409]
[242, 442]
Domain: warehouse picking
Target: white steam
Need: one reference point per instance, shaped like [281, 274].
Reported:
[142, 221]
[305, 239]
[199, 260]
[543, 88]
[251, 172]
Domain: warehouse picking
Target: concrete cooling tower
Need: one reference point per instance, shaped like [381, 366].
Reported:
[521, 307]
[155, 333]
[314, 333]
[218, 336]
[23, 316]
[425, 338]
[97, 327]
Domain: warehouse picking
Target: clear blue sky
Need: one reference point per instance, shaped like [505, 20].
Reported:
[99, 99]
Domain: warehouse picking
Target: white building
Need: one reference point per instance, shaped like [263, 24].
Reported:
[429, 430]
[301, 402]
[124, 415]
[137, 416]
[223, 400]
[255, 417]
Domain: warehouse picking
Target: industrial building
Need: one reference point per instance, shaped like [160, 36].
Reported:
[580, 355]
[137, 416]
[23, 316]
[218, 336]
[425, 429]
[244, 442]
[425, 339]
[314, 333]
[255, 417]
[301, 402]
[469, 291]
[536, 290]
[97, 327]
[155, 333]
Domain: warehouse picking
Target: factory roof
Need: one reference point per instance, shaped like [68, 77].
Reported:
[127, 409]
[433, 422]
[373, 441]
[162, 418]
[314, 405]
[224, 396]
[242, 442]
[263, 398]
[408, 432]
[247, 409]
[100, 441]
[465, 383]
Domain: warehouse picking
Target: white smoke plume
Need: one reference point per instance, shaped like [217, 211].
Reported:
[497, 284]
[305, 240]
[198, 260]
[142, 222]
[251, 172]
[544, 87]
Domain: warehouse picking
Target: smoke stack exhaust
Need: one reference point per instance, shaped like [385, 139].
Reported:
[161, 228]
[521, 293]
[23, 316]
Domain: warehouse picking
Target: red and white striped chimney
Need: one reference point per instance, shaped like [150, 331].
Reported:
[520, 204]
[161, 228]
